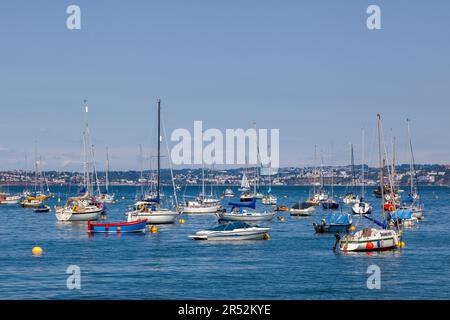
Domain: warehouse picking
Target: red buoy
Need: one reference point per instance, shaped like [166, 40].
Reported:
[369, 246]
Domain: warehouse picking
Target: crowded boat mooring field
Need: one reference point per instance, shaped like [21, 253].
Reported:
[224, 151]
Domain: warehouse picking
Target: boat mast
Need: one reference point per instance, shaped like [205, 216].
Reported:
[141, 165]
[393, 164]
[36, 176]
[411, 160]
[353, 169]
[159, 150]
[381, 162]
[362, 165]
[315, 170]
[107, 171]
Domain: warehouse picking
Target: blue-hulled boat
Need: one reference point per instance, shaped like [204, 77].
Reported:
[330, 204]
[334, 222]
[117, 227]
[42, 208]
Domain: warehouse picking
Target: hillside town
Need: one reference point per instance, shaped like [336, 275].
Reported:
[427, 175]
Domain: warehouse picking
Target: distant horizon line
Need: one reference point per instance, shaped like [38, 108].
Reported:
[226, 169]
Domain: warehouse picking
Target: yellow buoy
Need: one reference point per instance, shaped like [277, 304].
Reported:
[37, 251]
[181, 221]
[104, 217]
[153, 229]
[352, 228]
[266, 236]
[282, 219]
[400, 232]
[401, 244]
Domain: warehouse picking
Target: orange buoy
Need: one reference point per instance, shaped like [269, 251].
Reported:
[369, 246]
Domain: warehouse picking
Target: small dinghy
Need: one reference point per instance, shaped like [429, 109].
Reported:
[334, 222]
[282, 209]
[117, 227]
[42, 208]
[302, 209]
[232, 231]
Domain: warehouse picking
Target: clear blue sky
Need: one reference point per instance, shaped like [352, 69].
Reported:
[310, 68]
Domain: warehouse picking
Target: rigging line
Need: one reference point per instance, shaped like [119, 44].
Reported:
[170, 165]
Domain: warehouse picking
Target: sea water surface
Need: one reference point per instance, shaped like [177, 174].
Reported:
[294, 264]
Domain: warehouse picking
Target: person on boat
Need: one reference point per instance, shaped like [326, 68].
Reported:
[324, 222]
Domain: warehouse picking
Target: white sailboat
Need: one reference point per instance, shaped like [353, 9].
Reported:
[154, 213]
[105, 196]
[84, 207]
[202, 204]
[351, 197]
[415, 205]
[245, 184]
[372, 239]
[362, 206]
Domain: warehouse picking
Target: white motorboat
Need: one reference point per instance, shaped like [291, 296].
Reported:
[31, 203]
[361, 208]
[302, 209]
[232, 231]
[369, 239]
[350, 199]
[246, 196]
[238, 213]
[258, 195]
[269, 199]
[228, 193]
[107, 198]
[9, 200]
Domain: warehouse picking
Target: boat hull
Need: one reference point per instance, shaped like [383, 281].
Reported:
[154, 217]
[121, 227]
[200, 210]
[383, 240]
[228, 216]
[68, 215]
[235, 235]
[330, 205]
[331, 228]
[302, 212]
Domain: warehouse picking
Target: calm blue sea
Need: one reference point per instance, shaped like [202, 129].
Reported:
[294, 264]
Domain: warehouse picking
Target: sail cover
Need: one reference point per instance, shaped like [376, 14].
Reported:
[251, 204]
[338, 218]
[401, 214]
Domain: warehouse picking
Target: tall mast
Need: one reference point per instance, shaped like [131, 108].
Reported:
[393, 163]
[411, 160]
[315, 169]
[381, 163]
[141, 168]
[159, 150]
[35, 167]
[362, 165]
[107, 171]
[353, 169]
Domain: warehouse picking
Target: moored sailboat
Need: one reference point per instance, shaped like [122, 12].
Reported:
[155, 213]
